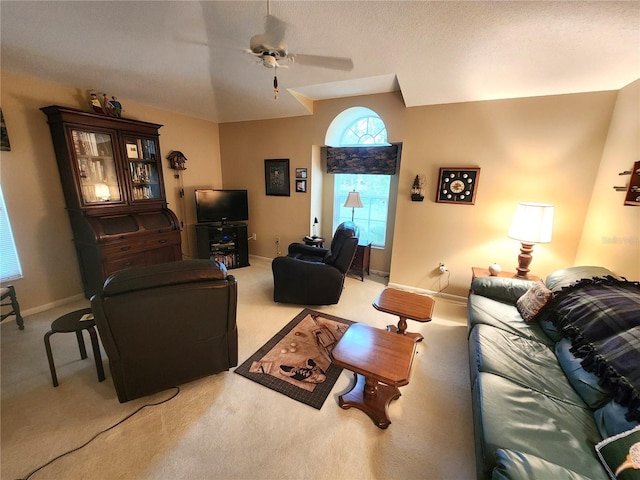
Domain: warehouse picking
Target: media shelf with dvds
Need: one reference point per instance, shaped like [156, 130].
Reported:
[227, 244]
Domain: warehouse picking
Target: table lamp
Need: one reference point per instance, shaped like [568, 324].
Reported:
[353, 202]
[102, 191]
[532, 223]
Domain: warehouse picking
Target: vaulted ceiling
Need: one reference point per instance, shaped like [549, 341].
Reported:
[188, 56]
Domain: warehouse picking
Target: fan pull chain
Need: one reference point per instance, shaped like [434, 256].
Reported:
[275, 87]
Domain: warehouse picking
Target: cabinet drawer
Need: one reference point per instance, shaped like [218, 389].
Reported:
[163, 239]
[122, 248]
[115, 265]
[140, 244]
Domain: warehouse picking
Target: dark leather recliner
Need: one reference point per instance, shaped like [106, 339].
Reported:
[167, 324]
[315, 276]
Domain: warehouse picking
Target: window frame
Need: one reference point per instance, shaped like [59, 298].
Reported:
[341, 213]
[11, 268]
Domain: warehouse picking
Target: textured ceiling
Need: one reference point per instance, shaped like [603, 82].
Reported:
[188, 57]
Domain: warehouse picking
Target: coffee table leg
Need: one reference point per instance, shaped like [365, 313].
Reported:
[402, 330]
[371, 397]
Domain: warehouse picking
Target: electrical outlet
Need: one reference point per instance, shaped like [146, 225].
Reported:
[443, 268]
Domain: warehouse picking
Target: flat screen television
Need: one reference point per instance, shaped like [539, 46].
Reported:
[221, 206]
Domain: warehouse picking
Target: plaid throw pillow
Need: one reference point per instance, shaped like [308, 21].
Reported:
[530, 304]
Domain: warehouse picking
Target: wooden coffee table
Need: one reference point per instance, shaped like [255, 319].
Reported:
[405, 305]
[381, 362]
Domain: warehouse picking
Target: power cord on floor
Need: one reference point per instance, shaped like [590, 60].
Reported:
[174, 395]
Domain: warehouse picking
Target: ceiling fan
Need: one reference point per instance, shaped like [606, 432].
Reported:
[272, 51]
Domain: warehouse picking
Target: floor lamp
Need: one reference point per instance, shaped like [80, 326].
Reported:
[353, 202]
[532, 223]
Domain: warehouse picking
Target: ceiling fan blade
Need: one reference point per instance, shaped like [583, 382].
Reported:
[335, 63]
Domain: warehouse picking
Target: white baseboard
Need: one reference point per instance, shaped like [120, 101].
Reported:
[48, 306]
[260, 259]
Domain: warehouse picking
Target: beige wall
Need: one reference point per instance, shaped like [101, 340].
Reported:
[33, 193]
[246, 147]
[534, 149]
[545, 149]
[611, 234]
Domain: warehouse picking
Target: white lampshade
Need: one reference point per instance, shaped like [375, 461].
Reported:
[353, 200]
[532, 223]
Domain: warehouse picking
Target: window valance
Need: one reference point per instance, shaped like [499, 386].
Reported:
[363, 160]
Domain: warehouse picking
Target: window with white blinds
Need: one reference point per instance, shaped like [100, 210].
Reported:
[9, 262]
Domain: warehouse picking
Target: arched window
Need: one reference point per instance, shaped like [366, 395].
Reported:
[365, 131]
[360, 126]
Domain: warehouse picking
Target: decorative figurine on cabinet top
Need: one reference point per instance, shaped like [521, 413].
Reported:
[107, 105]
[94, 101]
[100, 103]
[117, 107]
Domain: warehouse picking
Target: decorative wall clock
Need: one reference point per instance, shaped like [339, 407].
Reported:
[458, 185]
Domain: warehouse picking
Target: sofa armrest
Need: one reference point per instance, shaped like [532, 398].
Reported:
[500, 288]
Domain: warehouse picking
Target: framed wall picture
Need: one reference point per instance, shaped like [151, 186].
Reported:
[301, 173]
[301, 185]
[276, 177]
[458, 185]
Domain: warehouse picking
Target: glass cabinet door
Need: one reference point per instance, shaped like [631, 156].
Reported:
[96, 167]
[142, 156]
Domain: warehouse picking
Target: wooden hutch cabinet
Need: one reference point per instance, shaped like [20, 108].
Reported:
[111, 175]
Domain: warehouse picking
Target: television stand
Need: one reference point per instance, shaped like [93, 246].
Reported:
[226, 243]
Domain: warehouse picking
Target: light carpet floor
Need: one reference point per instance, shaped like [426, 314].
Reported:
[227, 427]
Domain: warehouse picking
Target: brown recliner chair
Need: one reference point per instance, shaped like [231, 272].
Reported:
[312, 275]
[167, 324]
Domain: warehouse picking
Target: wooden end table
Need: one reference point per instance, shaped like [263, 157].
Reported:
[484, 272]
[381, 362]
[406, 305]
[360, 264]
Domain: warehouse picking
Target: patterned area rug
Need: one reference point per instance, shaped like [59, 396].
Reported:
[296, 361]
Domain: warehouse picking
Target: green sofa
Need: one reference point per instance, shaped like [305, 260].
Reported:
[538, 414]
